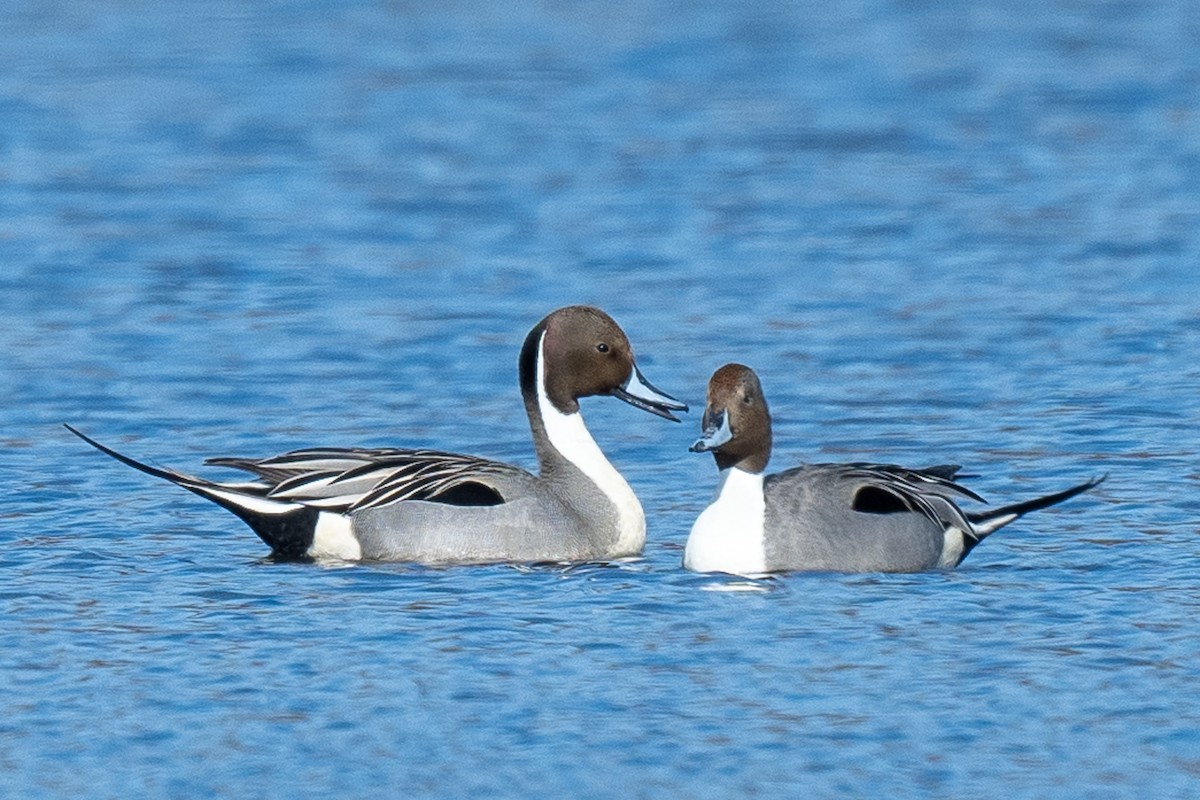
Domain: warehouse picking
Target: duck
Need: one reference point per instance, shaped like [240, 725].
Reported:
[847, 517]
[440, 508]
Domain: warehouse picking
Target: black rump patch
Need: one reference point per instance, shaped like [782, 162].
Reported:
[468, 494]
[873, 500]
[288, 535]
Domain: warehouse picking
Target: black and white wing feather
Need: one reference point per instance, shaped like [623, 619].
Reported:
[930, 491]
[352, 479]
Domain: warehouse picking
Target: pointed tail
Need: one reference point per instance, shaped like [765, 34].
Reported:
[286, 527]
[177, 478]
[988, 522]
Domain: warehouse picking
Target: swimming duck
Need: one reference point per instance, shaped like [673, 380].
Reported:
[436, 507]
[853, 517]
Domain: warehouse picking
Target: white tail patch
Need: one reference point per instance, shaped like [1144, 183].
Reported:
[334, 538]
[952, 548]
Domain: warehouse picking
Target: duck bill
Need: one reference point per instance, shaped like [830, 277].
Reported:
[716, 432]
[638, 392]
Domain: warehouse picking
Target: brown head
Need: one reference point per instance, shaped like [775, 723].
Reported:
[586, 353]
[736, 424]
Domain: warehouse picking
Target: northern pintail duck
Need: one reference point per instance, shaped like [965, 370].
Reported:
[836, 517]
[434, 507]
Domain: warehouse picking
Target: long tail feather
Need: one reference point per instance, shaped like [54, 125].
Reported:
[286, 527]
[988, 522]
[166, 474]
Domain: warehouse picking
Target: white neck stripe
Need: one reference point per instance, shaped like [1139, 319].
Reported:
[570, 437]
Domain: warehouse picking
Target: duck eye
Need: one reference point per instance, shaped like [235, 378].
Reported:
[602, 347]
[748, 399]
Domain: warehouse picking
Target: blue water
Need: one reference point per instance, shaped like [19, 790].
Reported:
[961, 232]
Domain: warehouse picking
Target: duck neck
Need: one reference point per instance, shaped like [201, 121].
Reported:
[748, 452]
[564, 445]
[736, 482]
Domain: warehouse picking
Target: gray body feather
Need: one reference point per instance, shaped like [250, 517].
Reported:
[812, 522]
[558, 516]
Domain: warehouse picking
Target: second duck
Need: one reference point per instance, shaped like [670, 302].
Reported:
[828, 517]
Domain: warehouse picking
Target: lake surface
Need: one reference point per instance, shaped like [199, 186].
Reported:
[965, 234]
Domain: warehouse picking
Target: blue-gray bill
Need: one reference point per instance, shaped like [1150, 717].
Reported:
[716, 432]
[640, 393]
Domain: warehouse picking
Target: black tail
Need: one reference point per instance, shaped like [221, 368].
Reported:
[988, 522]
[287, 528]
[178, 478]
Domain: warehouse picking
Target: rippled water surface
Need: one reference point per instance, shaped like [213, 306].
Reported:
[965, 234]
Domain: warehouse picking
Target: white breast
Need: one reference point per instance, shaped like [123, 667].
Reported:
[728, 535]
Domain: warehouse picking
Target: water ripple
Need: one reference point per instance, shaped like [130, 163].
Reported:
[939, 233]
